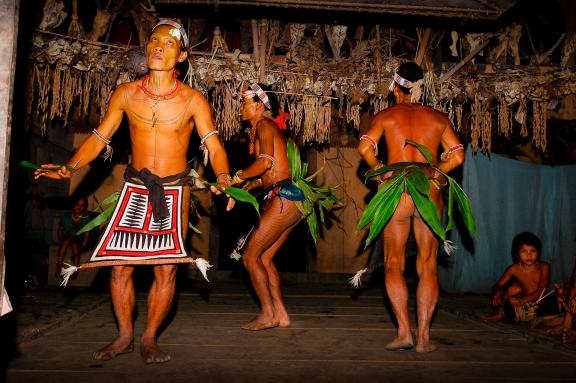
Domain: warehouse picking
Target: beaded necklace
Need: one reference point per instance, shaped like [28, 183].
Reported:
[252, 136]
[158, 97]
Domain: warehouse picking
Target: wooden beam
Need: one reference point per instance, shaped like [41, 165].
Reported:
[9, 33]
[459, 65]
[255, 45]
[423, 43]
[262, 54]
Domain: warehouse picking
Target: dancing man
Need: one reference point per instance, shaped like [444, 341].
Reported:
[409, 121]
[280, 214]
[162, 113]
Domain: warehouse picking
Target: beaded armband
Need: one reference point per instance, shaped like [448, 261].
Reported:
[445, 156]
[203, 147]
[109, 150]
[371, 141]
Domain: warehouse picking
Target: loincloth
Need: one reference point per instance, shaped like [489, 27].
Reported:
[146, 225]
[430, 172]
[285, 189]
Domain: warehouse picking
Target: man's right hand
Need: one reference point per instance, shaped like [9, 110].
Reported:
[53, 171]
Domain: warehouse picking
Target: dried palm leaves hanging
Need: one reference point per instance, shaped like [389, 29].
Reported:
[310, 118]
[504, 118]
[225, 100]
[539, 120]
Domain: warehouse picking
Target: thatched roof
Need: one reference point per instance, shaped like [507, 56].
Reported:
[462, 9]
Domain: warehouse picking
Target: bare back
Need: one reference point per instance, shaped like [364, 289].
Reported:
[415, 122]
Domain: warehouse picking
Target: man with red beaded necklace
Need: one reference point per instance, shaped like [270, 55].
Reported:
[162, 113]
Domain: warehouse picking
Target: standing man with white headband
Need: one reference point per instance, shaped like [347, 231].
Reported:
[151, 217]
[409, 120]
[280, 215]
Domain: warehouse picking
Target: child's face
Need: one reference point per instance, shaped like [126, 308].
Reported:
[528, 254]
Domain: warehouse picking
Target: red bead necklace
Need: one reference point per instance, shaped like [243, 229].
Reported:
[149, 93]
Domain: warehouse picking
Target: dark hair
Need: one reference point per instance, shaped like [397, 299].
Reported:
[274, 105]
[411, 72]
[525, 238]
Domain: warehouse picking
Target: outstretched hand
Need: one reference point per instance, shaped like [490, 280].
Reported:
[53, 171]
[224, 181]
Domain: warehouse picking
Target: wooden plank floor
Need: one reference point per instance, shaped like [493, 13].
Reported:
[333, 339]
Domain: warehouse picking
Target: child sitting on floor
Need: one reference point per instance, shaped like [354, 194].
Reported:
[524, 281]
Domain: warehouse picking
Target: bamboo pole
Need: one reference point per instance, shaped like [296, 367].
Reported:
[378, 54]
[262, 46]
[255, 45]
[423, 43]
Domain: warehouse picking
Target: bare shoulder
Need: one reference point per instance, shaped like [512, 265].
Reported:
[190, 93]
[128, 87]
[266, 125]
[436, 113]
[543, 265]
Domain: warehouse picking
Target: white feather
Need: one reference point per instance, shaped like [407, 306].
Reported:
[203, 266]
[356, 280]
[449, 247]
[66, 272]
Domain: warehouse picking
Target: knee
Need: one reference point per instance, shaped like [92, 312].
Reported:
[426, 260]
[165, 275]
[249, 259]
[121, 274]
[394, 264]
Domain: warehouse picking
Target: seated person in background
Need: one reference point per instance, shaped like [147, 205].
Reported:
[562, 324]
[526, 280]
[70, 223]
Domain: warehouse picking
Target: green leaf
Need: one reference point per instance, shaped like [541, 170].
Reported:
[464, 206]
[112, 198]
[424, 150]
[313, 226]
[194, 228]
[384, 169]
[420, 181]
[239, 195]
[450, 225]
[383, 214]
[378, 200]
[294, 160]
[97, 221]
[307, 190]
[427, 210]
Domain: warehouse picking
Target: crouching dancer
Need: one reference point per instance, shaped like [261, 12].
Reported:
[147, 225]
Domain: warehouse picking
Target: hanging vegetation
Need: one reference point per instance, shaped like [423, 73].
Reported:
[321, 70]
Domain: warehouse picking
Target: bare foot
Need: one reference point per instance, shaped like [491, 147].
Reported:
[554, 331]
[117, 347]
[283, 319]
[151, 353]
[261, 322]
[496, 317]
[568, 336]
[428, 347]
[405, 343]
